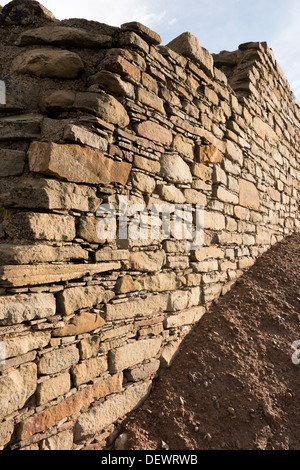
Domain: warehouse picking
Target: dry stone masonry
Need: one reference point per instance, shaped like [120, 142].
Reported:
[94, 113]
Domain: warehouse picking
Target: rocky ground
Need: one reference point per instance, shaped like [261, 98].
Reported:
[234, 384]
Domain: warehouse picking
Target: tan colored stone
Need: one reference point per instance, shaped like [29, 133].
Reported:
[16, 388]
[76, 298]
[169, 353]
[155, 132]
[52, 63]
[208, 154]
[103, 105]
[108, 254]
[150, 99]
[23, 344]
[71, 406]
[113, 83]
[64, 36]
[224, 195]
[175, 170]
[81, 135]
[33, 226]
[214, 221]
[26, 254]
[88, 370]
[76, 164]
[249, 195]
[202, 171]
[80, 324]
[133, 353]
[147, 261]
[183, 146]
[6, 432]
[29, 275]
[193, 196]
[94, 421]
[188, 45]
[171, 194]
[143, 372]
[146, 33]
[58, 360]
[61, 442]
[23, 308]
[119, 64]
[209, 252]
[143, 183]
[53, 388]
[187, 317]
[146, 164]
[137, 308]
[274, 194]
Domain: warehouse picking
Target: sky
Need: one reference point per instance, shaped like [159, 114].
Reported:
[218, 24]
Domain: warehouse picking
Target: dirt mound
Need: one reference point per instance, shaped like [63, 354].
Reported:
[234, 384]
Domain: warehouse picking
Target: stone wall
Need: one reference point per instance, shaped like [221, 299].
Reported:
[93, 113]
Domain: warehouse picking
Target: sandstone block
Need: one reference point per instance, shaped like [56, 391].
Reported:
[175, 170]
[208, 154]
[88, 370]
[143, 183]
[71, 406]
[195, 197]
[94, 421]
[42, 193]
[53, 388]
[155, 132]
[23, 344]
[30, 275]
[148, 98]
[146, 33]
[234, 153]
[76, 298]
[11, 162]
[214, 221]
[26, 254]
[105, 106]
[64, 36]
[33, 226]
[171, 194]
[80, 324]
[208, 252]
[62, 441]
[224, 195]
[56, 63]
[249, 195]
[188, 45]
[122, 66]
[146, 164]
[108, 254]
[187, 317]
[137, 308]
[169, 353]
[83, 136]
[133, 353]
[143, 372]
[202, 171]
[147, 261]
[58, 360]
[113, 83]
[6, 431]
[76, 164]
[22, 308]
[16, 388]
[184, 146]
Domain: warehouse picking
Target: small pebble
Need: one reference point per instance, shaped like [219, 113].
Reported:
[231, 411]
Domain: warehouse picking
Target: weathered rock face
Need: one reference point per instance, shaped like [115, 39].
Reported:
[100, 125]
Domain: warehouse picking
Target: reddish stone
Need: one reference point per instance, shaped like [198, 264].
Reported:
[152, 131]
[75, 404]
[122, 66]
[76, 164]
